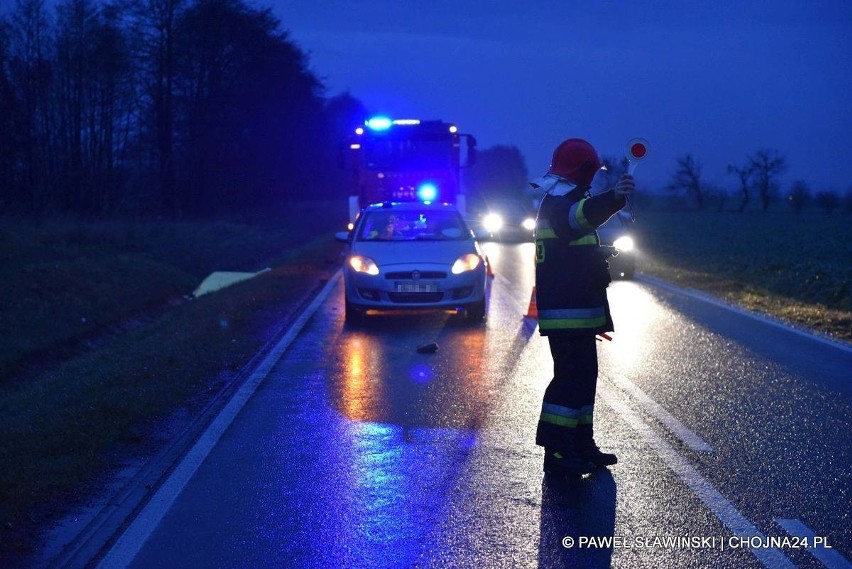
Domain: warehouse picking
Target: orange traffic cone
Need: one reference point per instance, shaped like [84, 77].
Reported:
[532, 311]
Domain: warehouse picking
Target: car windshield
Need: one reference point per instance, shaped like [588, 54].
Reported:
[423, 225]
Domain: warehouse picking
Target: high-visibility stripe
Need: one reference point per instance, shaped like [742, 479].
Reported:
[560, 410]
[574, 323]
[564, 318]
[559, 415]
[558, 420]
[571, 313]
[589, 239]
[577, 217]
[585, 420]
[544, 230]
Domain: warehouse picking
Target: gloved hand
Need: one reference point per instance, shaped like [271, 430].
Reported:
[625, 186]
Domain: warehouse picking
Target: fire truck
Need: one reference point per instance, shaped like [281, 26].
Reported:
[401, 160]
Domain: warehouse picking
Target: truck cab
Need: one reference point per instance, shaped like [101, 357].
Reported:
[402, 160]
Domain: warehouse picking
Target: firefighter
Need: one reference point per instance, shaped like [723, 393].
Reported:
[571, 280]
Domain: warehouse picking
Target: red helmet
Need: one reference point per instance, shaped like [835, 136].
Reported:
[575, 160]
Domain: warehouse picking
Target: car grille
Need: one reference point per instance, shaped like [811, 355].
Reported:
[415, 297]
[410, 275]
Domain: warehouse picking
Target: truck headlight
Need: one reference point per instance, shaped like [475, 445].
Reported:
[361, 264]
[465, 263]
[492, 222]
[624, 243]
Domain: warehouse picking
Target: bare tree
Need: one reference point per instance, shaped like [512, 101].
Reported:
[828, 200]
[687, 177]
[800, 193]
[766, 166]
[9, 136]
[155, 29]
[73, 73]
[744, 174]
[31, 70]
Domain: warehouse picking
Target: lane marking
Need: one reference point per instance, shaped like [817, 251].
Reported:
[680, 430]
[698, 295]
[828, 557]
[134, 537]
[724, 510]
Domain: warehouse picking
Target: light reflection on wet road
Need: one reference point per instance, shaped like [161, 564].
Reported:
[357, 451]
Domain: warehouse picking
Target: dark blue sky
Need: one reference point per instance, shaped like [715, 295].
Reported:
[715, 79]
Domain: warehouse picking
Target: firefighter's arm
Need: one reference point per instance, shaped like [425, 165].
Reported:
[583, 217]
[590, 213]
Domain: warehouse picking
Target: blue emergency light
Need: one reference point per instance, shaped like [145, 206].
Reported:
[379, 123]
[427, 192]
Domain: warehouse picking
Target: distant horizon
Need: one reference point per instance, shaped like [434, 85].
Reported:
[717, 81]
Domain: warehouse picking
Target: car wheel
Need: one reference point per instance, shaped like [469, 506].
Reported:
[475, 312]
[353, 315]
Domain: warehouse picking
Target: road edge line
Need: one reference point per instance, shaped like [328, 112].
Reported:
[681, 431]
[828, 557]
[723, 509]
[764, 318]
[131, 540]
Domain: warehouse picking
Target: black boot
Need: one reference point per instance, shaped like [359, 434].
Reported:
[588, 450]
[565, 462]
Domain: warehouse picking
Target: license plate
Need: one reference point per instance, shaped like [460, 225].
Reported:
[416, 287]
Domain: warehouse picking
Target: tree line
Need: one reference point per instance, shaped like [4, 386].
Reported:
[757, 178]
[176, 108]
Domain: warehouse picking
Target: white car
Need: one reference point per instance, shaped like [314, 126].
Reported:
[413, 256]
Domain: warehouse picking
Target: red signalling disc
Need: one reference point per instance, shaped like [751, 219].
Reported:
[637, 149]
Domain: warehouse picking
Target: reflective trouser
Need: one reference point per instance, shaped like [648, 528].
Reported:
[570, 398]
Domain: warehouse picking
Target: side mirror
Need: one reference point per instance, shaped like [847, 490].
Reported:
[471, 150]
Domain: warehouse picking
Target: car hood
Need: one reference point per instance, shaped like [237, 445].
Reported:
[388, 253]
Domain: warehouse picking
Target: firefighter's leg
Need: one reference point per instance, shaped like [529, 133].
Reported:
[586, 446]
[561, 407]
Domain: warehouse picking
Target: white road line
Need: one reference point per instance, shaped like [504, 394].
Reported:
[828, 557]
[134, 537]
[696, 294]
[726, 512]
[680, 430]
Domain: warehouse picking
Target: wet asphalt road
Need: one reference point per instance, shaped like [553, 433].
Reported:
[357, 451]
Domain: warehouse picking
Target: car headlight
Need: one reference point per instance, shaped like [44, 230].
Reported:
[624, 243]
[528, 224]
[492, 222]
[361, 264]
[466, 263]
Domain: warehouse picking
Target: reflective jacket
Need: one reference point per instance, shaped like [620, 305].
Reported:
[571, 269]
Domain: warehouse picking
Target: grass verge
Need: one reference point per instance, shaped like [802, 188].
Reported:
[793, 267]
[79, 417]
